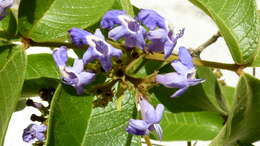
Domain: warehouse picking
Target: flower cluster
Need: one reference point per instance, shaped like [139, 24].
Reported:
[149, 32]
[4, 5]
[161, 38]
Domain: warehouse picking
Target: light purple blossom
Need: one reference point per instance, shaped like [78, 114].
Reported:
[126, 27]
[163, 40]
[74, 76]
[78, 36]
[151, 19]
[184, 77]
[4, 5]
[151, 119]
[34, 132]
[101, 50]
[110, 19]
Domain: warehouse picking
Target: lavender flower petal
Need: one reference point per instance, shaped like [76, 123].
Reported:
[151, 19]
[147, 111]
[99, 34]
[78, 66]
[180, 92]
[117, 33]
[168, 48]
[185, 57]
[162, 40]
[78, 36]
[172, 80]
[110, 19]
[89, 55]
[179, 67]
[137, 127]
[159, 113]
[60, 56]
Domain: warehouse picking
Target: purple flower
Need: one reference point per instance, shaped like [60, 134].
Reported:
[4, 5]
[110, 19]
[98, 47]
[128, 28]
[34, 132]
[163, 40]
[151, 19]
[184, 75]
[78, 36]
[151, 119]
[74, 76]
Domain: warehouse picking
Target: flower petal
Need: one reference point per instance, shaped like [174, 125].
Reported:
[85, 78]
[60, 56]
[106, 63]
[137, 127]
[115, 52]
[151, 19]
[179, 67]
[78, 36]
[110, 19]
[40, 136]
[168, 48]
[172, 80]
[135, 40]
[158, 34]
[78, 66]
[193, 82]
[89, 56]
[99, 34]
[185, 57]
[117, 33]
[147, 111]
[159, 113]
[179, 92]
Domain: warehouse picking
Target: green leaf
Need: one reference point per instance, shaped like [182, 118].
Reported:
[228, 93]
[127, 6]
[237, 22]
[41, 72]
[205, 96]
[243, 122]
[49, 20]
[12, 72]
[256, 62]
[87, 120]
[190, 125]
[8, 26]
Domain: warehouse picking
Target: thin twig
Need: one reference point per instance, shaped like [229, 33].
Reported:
[210, 41]
[147, 140]
[199, 62]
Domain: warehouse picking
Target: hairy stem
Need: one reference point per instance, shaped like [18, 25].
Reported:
[198, 62]
[147, 140]
[210, 41]
[30, 42]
